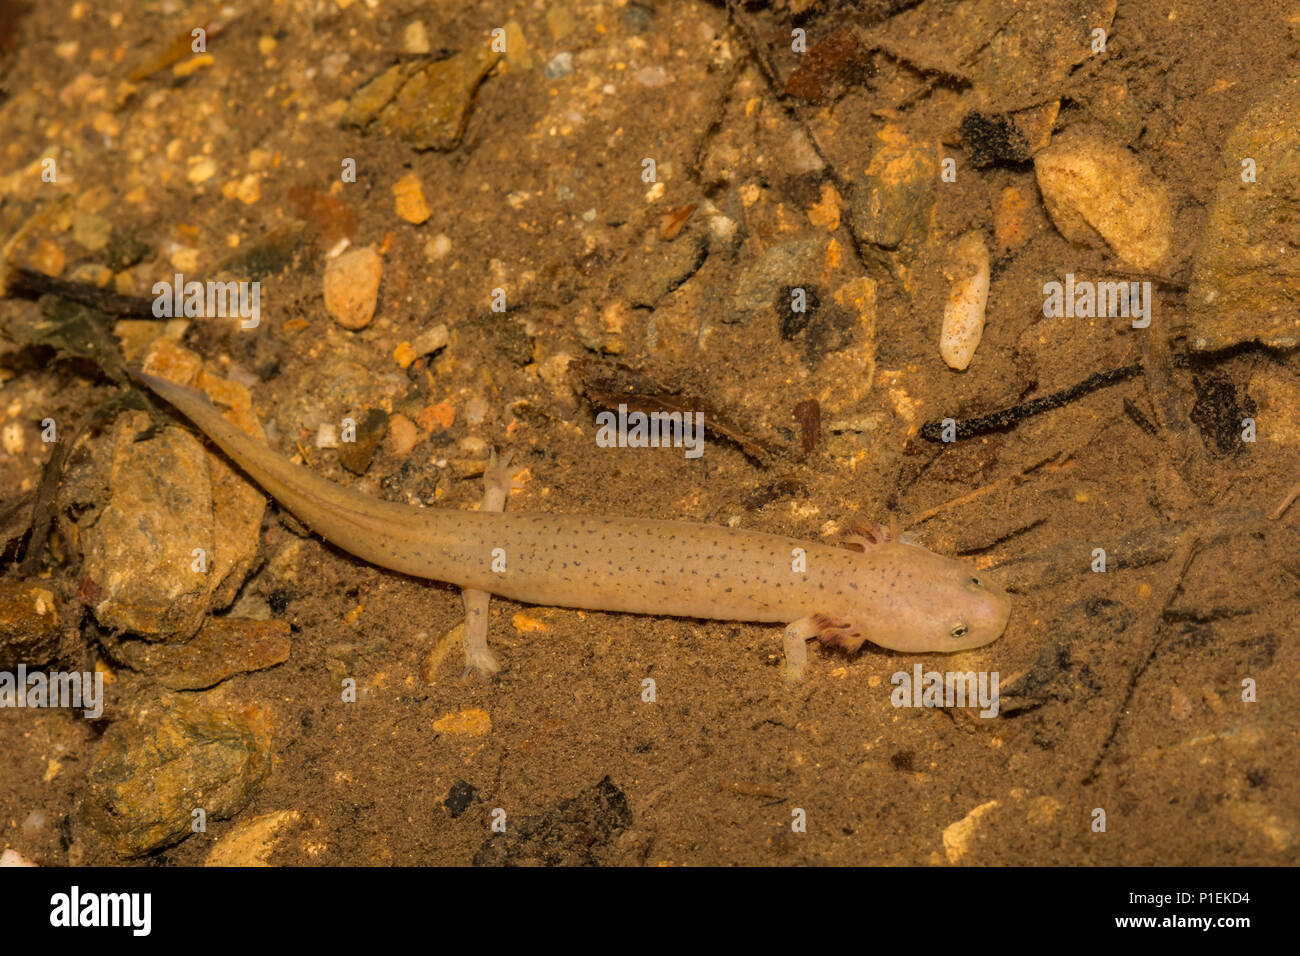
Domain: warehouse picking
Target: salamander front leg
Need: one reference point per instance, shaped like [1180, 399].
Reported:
[795, 642]
[497, 483]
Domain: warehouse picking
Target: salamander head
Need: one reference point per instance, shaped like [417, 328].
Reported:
[918, 602]
[967, 610]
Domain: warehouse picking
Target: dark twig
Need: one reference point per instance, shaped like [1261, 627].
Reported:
[1139, 419]
[31, 283]
[1006, 417]
[1172, 418]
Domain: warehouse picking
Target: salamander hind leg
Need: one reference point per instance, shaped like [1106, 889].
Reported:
[497, 484]
[478, 656]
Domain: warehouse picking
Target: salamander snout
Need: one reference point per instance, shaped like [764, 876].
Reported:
[978, 613]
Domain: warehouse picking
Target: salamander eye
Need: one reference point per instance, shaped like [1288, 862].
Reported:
[975, 582]
[959, 631]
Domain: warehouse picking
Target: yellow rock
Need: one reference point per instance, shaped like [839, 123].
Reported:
[957, 836]
[202, 168]
[12, 438]
[411, 204]
[465, 723]
[193, 65]
[1012, 227]
[404, 354]
[249, 189]
[516, 51]
[251, 843]
[825, 214]
[48, 258]
[415, 38]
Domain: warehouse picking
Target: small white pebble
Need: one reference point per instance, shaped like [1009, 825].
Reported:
[723, 227]
[237, 373]
[475, 411]
[559, 65]
[326, 435]
[652, 76]
[437, 247]
[202, 168]
[415, 38]
[332, 65]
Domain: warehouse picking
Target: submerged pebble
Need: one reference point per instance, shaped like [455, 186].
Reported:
[1096, 191]
[963, 315]
[426, 106]
[352, 287]
[559, 65]
[170, 755]
[408, 194]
